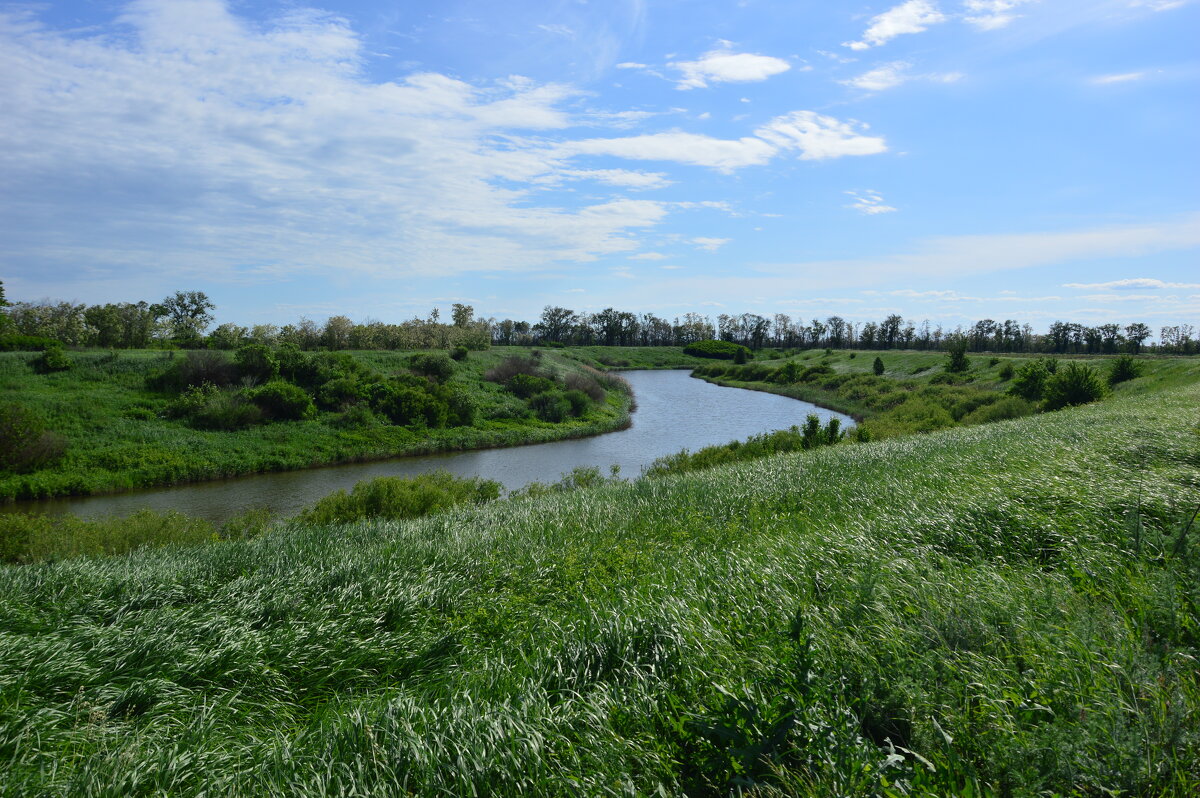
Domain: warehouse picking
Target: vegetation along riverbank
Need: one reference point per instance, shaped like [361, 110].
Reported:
[96, 422]
[1008, 609]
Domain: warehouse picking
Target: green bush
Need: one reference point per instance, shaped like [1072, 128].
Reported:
[877, 367]
[339, 392]
[550, 406]
[1006, 372]
[283, 401]
[511, 366]
[459, 352]
[208, 407]
[1030, 380]
[52, 359]
[25, 443]
[1073, 384]
[397, 498]
[356, 417]
[1001, 410]
[579, 401]
[956, 357]
[586, 383]
[718, 350]
[26, 343]
[406, 405]
[525, 385]
[257, 362]
[1123, 369]
[435, 365]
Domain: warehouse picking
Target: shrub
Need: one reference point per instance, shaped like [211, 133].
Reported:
[434, 365]
[52, 359]
[877, 367]
[1007, 371]
[1030, 380]
[25, 443]
[283, 401]
[397, 498]
[1073, 384]
[208, 407]
[197, 367]
[1123, 369]
[718, 350]
[511, 366]
[459, 352]
[956, 358]
[26, 343]
[586, 383]
[579, 401]
[1001, 410]
[257, 362]
[339, 392]
[356, 417]
[550, 406]
[525, 386]
[406, 405]
[853, 355]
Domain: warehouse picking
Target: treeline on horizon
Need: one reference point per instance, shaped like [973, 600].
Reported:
[183, 320]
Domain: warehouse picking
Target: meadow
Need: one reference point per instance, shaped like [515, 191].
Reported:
[120, 429]
[1001, 609]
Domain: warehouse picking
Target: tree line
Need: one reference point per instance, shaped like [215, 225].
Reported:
[183, 319]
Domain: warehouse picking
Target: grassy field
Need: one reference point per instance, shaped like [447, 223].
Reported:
[118, 438]
[1005, 609]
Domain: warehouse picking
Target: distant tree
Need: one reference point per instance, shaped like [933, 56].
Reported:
[187, 313]
[1073, 384]
[1135, 336]
[877, 367]
[462, 315]
[956, 356]
[5, 321]
[337, 332]
[556, 323]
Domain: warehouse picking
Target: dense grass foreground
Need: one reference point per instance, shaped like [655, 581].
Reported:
[1008, 608]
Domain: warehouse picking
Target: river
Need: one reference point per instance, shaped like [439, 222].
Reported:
[674, 412]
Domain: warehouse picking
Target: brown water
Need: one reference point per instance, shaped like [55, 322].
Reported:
[674, 412]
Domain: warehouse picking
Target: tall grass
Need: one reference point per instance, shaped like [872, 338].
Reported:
[1005, 609]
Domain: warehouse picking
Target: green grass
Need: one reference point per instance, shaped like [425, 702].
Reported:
[1006, 609]
[118, 440]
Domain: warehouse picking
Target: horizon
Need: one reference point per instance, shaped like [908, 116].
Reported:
[941, 161]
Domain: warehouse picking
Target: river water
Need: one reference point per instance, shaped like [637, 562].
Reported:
[674, 412]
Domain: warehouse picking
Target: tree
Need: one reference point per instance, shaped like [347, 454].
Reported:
[956, 356]
[187, 312]
[462, 314]
[1135, 335]
[877, 367]
[5, 321]
[556, 323]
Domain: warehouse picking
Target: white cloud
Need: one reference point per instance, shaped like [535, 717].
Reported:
[1124, 77]
[631, 65]
[232, 150]
[558, 30]
[887, 76]
[869, 202]
[648, 256]
[991, 14]
[710, 244]
[619, 177]
[670, 267]
[1157, 5]
[913, 16]
[881, 77]
[1135, 283]
[819, 137]
[814, 135]
[722, 65]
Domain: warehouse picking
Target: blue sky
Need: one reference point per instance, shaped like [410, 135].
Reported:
[949, 160]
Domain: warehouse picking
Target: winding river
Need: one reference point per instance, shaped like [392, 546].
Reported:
[674, 412]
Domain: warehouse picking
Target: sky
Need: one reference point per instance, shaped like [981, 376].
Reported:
[949, 160]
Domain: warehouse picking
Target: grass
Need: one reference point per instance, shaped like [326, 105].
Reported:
[1007, 609]
[118, 438]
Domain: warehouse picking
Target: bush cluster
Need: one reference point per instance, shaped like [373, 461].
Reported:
[718, 350]
[25, 443]
[398, 497]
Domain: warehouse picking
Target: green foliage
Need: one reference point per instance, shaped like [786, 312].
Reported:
[52, 359]
[283, 401]
[257, 362]
[1030, 380]
[340, 392]
[396, 498]
[718, 350]
[406, 405]
[211, 408]
[956, 357]
[512, 366]
[794, 439]
[25, 443]
[1123, 369]
[552, 406]
[877, 367]
[1006, 372]
[1001, 410]
[526, 386]
[356, 417]
[1073, 384]
[25, 343]
[579, 401]
[435, 365]
[459, 353]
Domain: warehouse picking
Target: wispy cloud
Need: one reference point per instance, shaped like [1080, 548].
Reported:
[709, 244]
[1124, 77]
[869, 202]
[888, 76]
[991, 14]
[813, 135]
[913, 16]
[1131, 284]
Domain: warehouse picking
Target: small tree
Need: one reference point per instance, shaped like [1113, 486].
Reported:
[877, 367]
[1073, 384]
[187, 312]
[1123, 369]
[956, 357]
